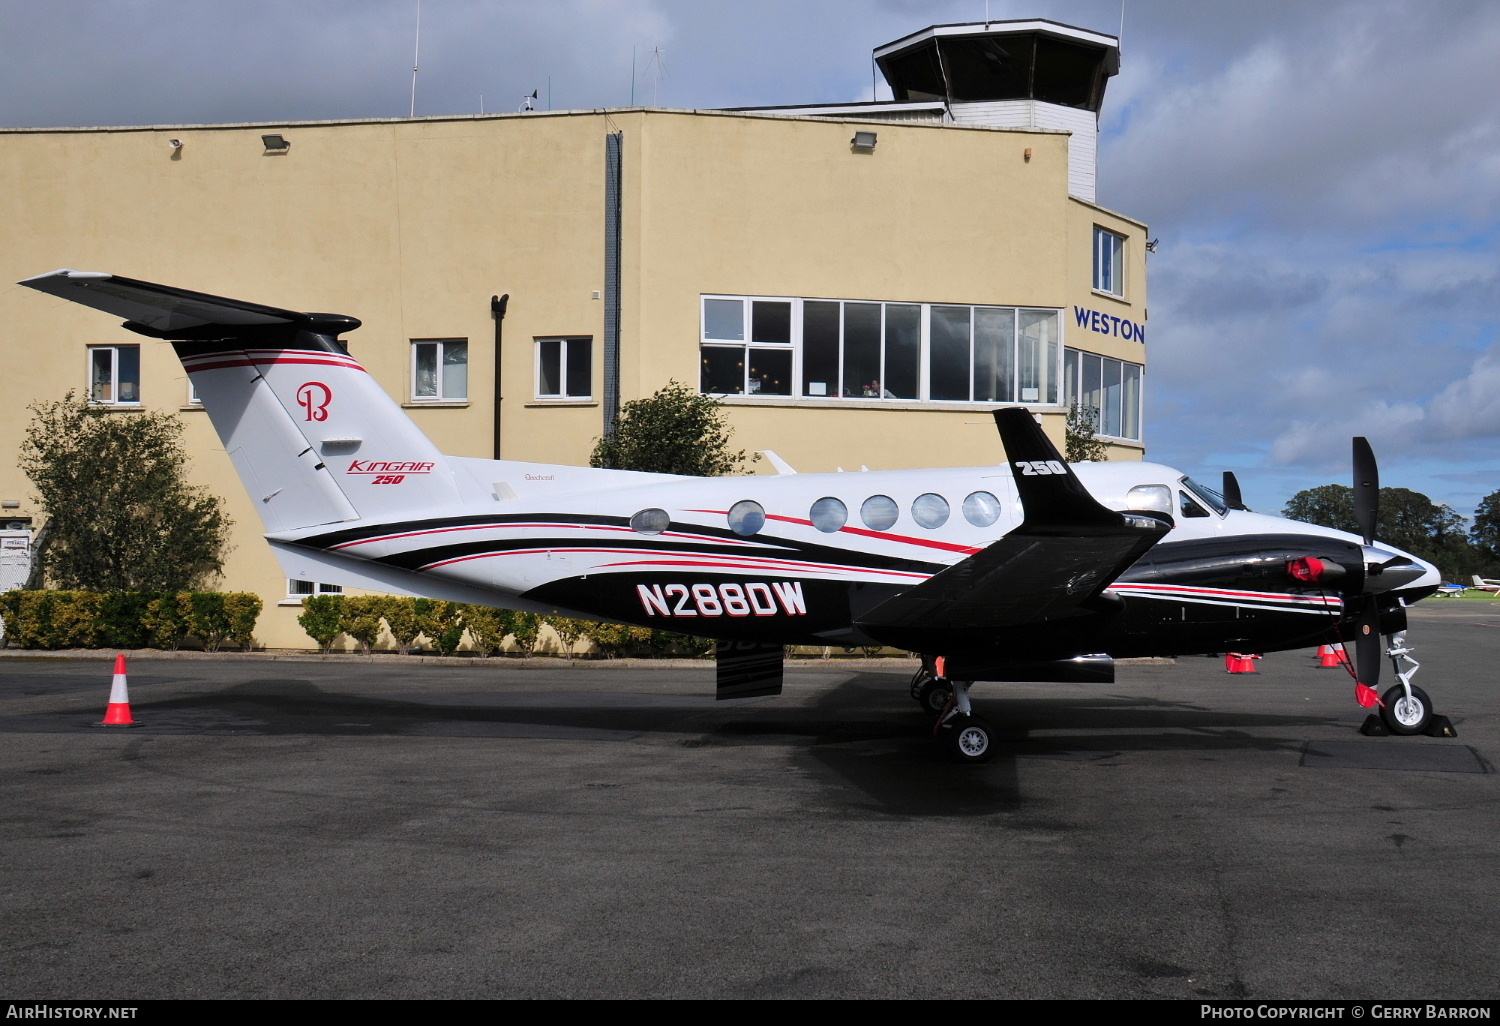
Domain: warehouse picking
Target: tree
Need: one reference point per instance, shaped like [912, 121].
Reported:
[675, 431]
[1080, 442]
[1330, 505]
[1407, 520]
[121, 516]
[1485, 532]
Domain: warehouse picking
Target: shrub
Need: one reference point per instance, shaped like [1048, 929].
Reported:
[442, 622]
[168, 618]
[568, 632]
[401, 620]
[487, 627]
[122, 616]
[525, 628]
[616, 639]
[362, 615]
[206, 618]
[323, 619]
[242, 608]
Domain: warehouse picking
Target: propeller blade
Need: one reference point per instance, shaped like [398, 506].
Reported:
[1368, 650]
[1232, 497]
[1366, 489]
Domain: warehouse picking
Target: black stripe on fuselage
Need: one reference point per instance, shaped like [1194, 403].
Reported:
[765, 547]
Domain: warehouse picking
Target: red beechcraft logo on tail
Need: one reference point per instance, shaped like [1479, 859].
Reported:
[314, 397]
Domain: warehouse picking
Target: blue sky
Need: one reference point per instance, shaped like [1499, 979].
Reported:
[1324, 177]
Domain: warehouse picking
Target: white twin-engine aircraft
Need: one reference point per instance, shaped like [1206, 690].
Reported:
[1027, 571]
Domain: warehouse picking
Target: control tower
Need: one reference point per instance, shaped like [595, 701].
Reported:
[1011, 74]
[1003, 74]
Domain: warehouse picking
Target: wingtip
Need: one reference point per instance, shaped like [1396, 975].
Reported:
[67, 274]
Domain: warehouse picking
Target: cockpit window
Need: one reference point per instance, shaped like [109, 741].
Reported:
[1188, 507]
[1208, 495]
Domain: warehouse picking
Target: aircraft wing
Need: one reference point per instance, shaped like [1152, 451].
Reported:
[162, 311]
[1056, 564]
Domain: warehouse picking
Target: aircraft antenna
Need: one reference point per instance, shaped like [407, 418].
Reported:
[415, 52]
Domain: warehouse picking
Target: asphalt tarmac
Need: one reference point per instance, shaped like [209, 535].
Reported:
[500, 829]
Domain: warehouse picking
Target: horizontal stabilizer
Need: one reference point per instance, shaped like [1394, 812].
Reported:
[163, 311]
[1056, 564]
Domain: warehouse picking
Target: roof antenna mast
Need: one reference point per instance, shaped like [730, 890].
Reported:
[416, 50]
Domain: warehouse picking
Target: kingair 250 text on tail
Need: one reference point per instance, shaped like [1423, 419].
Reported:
[1029, 571]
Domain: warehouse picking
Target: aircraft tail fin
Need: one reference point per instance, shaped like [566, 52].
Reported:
[314, 439]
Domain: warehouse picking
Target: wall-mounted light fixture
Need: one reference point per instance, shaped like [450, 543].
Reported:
[1151, 246]
[863, 142]
[1027, 155]
[176, 144]
[276, 143]
[11, 504]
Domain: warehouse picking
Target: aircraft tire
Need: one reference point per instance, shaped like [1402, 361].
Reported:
[1406, 716]
[971, 740]
[933, 696]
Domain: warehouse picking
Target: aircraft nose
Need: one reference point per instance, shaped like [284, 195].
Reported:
[1390, 569]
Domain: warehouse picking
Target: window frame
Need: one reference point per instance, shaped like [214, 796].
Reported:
[567, 342]
[746, 343]
[315, 588]
[441, 375]
[113, 348]
[1108, 275]
[888, 362]
[1132, 392]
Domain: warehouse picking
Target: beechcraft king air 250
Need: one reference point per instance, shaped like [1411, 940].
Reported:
[1033, 570]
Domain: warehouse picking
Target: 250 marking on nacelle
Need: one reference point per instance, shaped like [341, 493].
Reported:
[756, 598]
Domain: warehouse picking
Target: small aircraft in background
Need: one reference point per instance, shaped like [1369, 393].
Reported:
[1033, 570]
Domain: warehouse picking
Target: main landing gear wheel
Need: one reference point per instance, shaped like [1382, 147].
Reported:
[1404, 715]
[934, 696]
[970, 739]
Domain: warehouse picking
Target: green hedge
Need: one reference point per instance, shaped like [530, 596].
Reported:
[444, 625]
[88, 619]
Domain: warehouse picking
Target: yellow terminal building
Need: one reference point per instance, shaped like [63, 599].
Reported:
[860, 283]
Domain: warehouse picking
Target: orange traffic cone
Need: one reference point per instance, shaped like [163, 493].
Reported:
[1236, 662]
[1330, 656]
[118, 713]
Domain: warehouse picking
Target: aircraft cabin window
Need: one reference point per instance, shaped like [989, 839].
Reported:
[1189, 507]
[440, 370]
[115, 375]
[746, 518]
[930, 510]
[829, 515]
[650, 521]
[981, 509]
[879, 512]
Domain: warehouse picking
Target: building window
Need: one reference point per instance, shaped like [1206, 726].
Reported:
[1109, 262]
[564, 368]
[298, 589]
[440, 370]
[1111, 389]
[851, 349]
[115, 375]
[747, 346]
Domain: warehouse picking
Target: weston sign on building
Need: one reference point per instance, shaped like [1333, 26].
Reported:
[861, 283]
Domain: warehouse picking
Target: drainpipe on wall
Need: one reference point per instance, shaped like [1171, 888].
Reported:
[614, 144]
[497, 308]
